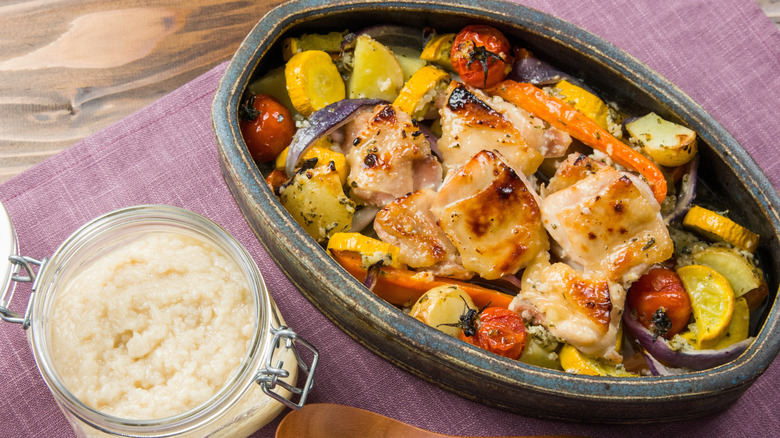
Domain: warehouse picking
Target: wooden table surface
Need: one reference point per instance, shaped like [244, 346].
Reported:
[69, 68]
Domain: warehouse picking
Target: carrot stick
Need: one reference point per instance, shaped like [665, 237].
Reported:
[563, 116]
[403, 287]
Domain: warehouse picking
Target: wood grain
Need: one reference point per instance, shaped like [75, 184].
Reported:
[772, 9]
[69, 68]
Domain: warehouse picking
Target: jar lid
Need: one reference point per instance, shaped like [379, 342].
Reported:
[7, 249]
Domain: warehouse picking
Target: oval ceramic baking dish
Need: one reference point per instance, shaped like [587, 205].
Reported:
[444, 360]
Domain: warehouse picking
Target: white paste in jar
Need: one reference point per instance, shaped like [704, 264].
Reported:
[152, 329]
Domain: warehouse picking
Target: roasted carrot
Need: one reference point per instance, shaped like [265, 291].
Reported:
[565, 117]
[402, 287]
[275, 179]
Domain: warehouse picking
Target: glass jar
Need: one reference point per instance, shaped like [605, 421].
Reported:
[262, 385]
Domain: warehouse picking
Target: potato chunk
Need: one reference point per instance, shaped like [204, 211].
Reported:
[667, 143]
[441, 308]
[316, 200]
[376, 72]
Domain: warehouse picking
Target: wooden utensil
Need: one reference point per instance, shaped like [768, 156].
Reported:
[325, 420]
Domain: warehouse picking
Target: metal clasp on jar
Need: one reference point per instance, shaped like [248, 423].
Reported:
[6, 313]
[271, 376]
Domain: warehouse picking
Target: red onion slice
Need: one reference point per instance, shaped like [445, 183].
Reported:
[321, 123]
[433, 140]
[509, 284]
[363, 217]
[687, 191]
[528, 68]
[692, 359]
[658, 369]
[372, 273]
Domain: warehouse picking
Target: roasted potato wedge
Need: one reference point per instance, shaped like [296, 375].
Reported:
[316, 200]
[669, 144]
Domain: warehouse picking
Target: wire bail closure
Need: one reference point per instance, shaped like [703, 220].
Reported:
[271, 376]
[20, 263]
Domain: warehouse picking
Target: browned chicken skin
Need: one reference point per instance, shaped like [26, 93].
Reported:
[472, 121]
[492, 216]
[388, 156]
[604, 220]
[409, 224]
[582, 309]
[470, 125]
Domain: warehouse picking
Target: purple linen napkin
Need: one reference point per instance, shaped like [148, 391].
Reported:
[725, 54]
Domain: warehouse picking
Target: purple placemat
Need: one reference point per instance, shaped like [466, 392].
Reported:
[725, 54]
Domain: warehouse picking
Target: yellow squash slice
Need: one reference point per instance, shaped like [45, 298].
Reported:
[417, 95]
[574, 362]
[313, 81]
[715, 227]
[329, 42]
[437, 50]
[737, 330]
[372, 250]
[585, 101]
[712, 301]
[324, 157]
[742, 274]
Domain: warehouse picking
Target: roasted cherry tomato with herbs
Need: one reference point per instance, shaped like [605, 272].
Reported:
[481, 56]
[495, 329]
[266, 125]
[660, 302]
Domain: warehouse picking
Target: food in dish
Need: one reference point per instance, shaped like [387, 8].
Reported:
[488, 172]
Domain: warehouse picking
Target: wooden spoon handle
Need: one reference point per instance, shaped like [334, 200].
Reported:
[324, 420]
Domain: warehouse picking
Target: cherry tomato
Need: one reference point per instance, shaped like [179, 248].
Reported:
[481, 56]
[498, 330]
[660, 302]
[267, 127]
